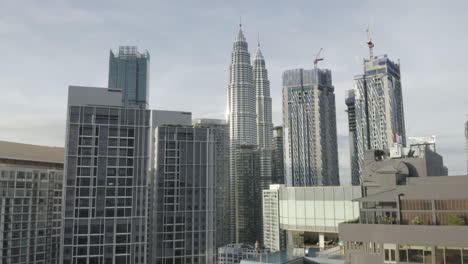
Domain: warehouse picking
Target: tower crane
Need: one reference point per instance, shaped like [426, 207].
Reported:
[317, 58]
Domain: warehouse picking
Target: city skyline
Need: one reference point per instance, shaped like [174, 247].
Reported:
[49, 69]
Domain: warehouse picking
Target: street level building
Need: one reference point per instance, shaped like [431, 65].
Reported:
[309, 119]
[407, 214]
[31, 180]
[106, 166]
[234, 253]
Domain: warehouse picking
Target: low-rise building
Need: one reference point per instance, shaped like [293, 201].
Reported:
[407, 215]
[309, 215]
[234, 253]
[30, 203]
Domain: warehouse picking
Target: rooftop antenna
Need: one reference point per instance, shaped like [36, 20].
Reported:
[370, 44]
[258, 39]
[240, 21]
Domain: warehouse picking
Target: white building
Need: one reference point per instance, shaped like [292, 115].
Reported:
[273, 238]
[234, 253]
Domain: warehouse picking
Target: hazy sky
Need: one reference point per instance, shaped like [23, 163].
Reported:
[48, 45]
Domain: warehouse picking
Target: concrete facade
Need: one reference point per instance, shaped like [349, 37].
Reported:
[406, 215]
[309, 120]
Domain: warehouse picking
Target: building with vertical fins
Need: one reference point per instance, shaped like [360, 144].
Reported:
[183, 225]
[129, 72]
[351, 110]
[220, 130]
[242, 118]
[309, 118]
[277, 164]
[378, 108]
[105, 188]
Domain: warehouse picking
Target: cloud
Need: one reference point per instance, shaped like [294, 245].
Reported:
[52, 44]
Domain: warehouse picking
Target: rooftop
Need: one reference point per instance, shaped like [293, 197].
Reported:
[28, 152]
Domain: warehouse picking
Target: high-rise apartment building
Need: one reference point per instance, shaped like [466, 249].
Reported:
[183, 226]
[309, 118]
[273, 238]
[277, 164]
[351, 110]
[106, 167]
[129, 72]
[242, 118]
[31, 201]
[220, 130]
[264, 119]
[377, 109]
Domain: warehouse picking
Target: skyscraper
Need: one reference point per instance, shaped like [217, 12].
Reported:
[31, 180]
[220, 130]
[264, 122]
[106, 166]
[351, 110]
[277, 168]
[241, 115]
[183, 227]
[378, 108]
[309, 120]
[129, 72]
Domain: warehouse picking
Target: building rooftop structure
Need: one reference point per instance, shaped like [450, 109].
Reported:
[408, 213]
[16, 153]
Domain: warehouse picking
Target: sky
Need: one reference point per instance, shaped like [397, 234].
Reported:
[49, 45]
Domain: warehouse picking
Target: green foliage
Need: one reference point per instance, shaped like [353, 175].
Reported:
[353, 221]
[387, 220]
[416, 221]
[454, 219]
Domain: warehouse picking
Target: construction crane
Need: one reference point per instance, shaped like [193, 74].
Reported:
[370, 44]
[317, 58]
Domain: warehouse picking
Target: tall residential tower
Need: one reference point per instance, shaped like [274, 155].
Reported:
[106, 167]
[309, 118]
[377, 109]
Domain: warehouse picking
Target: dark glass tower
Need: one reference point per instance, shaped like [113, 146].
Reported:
[129, 72]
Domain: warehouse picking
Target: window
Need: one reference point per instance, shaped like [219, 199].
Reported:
[389, 254]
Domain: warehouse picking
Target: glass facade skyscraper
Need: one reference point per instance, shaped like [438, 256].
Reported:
[129, 72]
[309, 118]
[220, 130]
[277, 169]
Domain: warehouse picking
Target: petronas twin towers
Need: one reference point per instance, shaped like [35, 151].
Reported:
[250, 130]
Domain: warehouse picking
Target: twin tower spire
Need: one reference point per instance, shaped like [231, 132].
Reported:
[250, 135]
